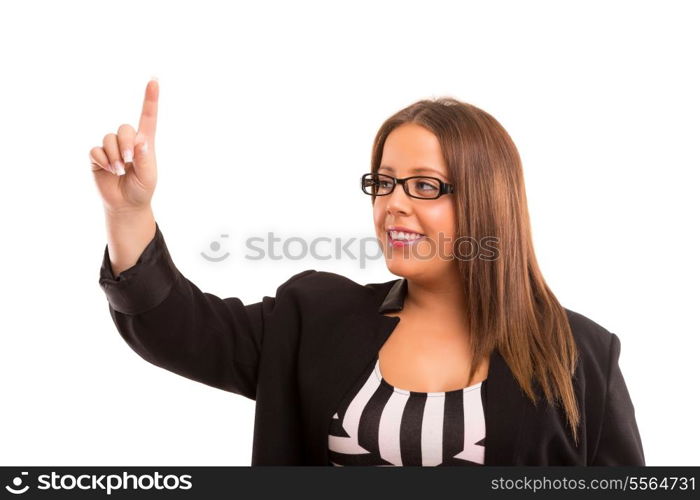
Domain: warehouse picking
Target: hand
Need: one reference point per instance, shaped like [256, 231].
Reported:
[125, 166]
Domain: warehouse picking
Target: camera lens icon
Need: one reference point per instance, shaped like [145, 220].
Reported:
[17, 483]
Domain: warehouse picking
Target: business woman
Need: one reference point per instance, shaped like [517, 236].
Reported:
[467, 358]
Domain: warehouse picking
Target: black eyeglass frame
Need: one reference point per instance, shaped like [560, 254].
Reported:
[445, 188]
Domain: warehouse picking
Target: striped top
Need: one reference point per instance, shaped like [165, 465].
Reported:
[378, 424]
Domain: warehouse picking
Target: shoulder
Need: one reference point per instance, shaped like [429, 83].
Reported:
[588, 334]
[311, 280]
[598, 348]
[331, 288]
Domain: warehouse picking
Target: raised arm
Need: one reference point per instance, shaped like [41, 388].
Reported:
[162, 315]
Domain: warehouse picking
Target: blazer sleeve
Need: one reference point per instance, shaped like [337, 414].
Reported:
[172, 324]
[620, 442]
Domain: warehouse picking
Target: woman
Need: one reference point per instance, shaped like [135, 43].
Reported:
[467, 359]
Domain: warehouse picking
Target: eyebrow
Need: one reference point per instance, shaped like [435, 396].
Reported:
[416, 170]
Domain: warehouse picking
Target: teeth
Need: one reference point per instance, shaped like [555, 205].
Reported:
[400, 235]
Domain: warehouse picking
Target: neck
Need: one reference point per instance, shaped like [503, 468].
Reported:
[442, 297]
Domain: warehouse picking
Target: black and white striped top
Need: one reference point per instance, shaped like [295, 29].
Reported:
[378, 424]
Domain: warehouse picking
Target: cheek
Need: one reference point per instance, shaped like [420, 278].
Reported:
[378, 214]
[439, 222]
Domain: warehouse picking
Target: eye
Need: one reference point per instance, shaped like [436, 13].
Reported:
[427, 186]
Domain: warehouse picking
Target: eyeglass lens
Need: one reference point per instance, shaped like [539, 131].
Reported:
[420, 187]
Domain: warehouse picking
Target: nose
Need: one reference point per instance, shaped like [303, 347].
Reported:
[398, 201]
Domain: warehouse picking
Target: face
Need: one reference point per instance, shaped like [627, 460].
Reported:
[408, 148]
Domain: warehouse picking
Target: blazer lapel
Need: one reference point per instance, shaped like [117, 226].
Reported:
[504, 401]
[347, 349]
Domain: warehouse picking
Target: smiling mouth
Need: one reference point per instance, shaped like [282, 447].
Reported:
[401, 239]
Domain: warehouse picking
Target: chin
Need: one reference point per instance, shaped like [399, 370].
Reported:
[403, 268]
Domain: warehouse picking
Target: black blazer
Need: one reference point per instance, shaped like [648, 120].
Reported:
[298, 353]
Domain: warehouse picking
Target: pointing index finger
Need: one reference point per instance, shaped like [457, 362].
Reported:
[149, 112]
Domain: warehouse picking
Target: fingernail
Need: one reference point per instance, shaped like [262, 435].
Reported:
[119, 167]
[128, 155]
[144, 147]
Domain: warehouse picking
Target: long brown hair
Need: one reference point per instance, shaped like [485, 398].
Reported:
[510, 307]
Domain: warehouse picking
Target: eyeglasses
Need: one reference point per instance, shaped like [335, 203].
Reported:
[424, 188]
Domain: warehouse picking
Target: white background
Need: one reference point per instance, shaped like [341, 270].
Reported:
[259, 98]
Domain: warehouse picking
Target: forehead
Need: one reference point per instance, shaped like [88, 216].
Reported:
[413, 149]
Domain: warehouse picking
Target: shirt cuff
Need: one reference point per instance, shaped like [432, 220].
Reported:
[145, 284]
